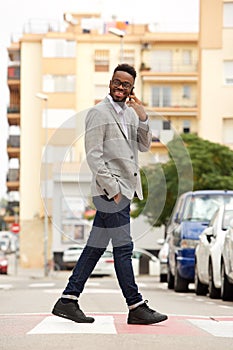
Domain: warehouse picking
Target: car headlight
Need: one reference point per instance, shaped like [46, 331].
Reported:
[188, 243]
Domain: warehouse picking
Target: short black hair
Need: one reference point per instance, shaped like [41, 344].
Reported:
[124, 67]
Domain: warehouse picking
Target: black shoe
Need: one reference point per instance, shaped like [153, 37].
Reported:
[144, 315]
[71, 311]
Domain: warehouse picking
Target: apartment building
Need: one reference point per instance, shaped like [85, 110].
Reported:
[55, 74]
[215, 122]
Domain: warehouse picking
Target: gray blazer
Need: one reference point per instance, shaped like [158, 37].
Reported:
[112, 158]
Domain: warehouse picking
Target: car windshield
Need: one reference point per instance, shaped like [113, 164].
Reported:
[203, 207]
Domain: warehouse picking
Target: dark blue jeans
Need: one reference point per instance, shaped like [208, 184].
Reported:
[111, 222]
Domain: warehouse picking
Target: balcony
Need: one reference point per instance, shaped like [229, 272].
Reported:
[13, 72]
[170, 72]
[13, 175]
[13, 144]
[12, 185]
[169, 66]
[163, 100]
[13, 118]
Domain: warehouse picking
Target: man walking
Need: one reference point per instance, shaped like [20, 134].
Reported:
[116, 129]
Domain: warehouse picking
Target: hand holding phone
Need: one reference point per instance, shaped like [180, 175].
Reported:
[131, 93]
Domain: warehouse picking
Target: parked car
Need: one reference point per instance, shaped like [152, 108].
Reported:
[105, 265]
[227, 265]
[71, 255]
[145, 263]
[190, 216]
[163, 258]
[3, 263]
[209, 251]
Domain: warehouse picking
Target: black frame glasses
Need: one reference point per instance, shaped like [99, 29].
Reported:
[125, 84]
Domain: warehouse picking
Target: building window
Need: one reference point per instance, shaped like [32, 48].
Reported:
[166, 125]
[58, 48]
[59, 118]
[186, 91]
[187, 57]
[161, 61]
[228, 72]
[59, 83]
[228, 131]
[100, 92]
[186, 126]
[128, 57]
[161, 96]
[101, 60]
[228, 15]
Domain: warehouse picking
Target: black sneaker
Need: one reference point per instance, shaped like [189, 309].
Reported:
[71, 311]
[144, 315]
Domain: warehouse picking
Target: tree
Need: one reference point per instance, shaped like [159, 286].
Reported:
[194, 164]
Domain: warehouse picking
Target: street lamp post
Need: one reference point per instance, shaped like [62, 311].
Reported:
[120, 34]
[44, 98]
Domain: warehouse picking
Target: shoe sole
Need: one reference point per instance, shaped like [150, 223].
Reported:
[68, 317]
[144, 322]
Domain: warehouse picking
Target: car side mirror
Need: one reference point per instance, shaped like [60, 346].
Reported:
[177, 220]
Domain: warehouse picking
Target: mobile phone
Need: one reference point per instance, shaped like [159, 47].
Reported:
[131, 93]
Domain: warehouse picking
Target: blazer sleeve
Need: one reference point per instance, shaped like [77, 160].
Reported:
[144, 137]
[94, 142]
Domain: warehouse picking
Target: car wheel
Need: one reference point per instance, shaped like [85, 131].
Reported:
[170, 278]
[163, 277]
[180, 284]
[200, 288]
[214, 293]
[226, 287]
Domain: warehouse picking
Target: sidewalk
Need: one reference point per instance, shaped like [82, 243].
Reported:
[16, 271]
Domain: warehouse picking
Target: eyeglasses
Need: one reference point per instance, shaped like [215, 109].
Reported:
[125, 84]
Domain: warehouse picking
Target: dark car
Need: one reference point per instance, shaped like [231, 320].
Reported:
[191, 215]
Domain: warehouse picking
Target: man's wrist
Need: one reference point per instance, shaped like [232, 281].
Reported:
[144, 120]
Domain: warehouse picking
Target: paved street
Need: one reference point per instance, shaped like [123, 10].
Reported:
[26, 321]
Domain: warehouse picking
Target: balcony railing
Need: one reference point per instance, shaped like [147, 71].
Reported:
[13, 141]
[170, 67]
[13, 175]
[174, 100]
[13, 109]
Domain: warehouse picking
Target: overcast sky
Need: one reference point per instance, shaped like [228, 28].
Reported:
[170, 15]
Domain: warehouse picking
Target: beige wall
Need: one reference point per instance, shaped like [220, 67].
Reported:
[31, 112]
[216, 101]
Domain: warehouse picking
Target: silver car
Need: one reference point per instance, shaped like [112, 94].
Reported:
[227, 265]
[209, 251]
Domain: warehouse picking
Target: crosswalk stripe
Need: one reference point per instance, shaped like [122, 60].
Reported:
[56, 325]
[6, 286]
[216, 328]
[38, 285]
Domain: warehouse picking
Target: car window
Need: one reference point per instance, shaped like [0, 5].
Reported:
[203, 207]
[228, 215]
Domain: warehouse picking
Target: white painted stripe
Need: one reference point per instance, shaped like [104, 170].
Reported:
[86, 291]
[39, 285]
[6, 286]
[53, 291]
[101, 291]
[57, 325]
[94, 284]
[216, 328]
